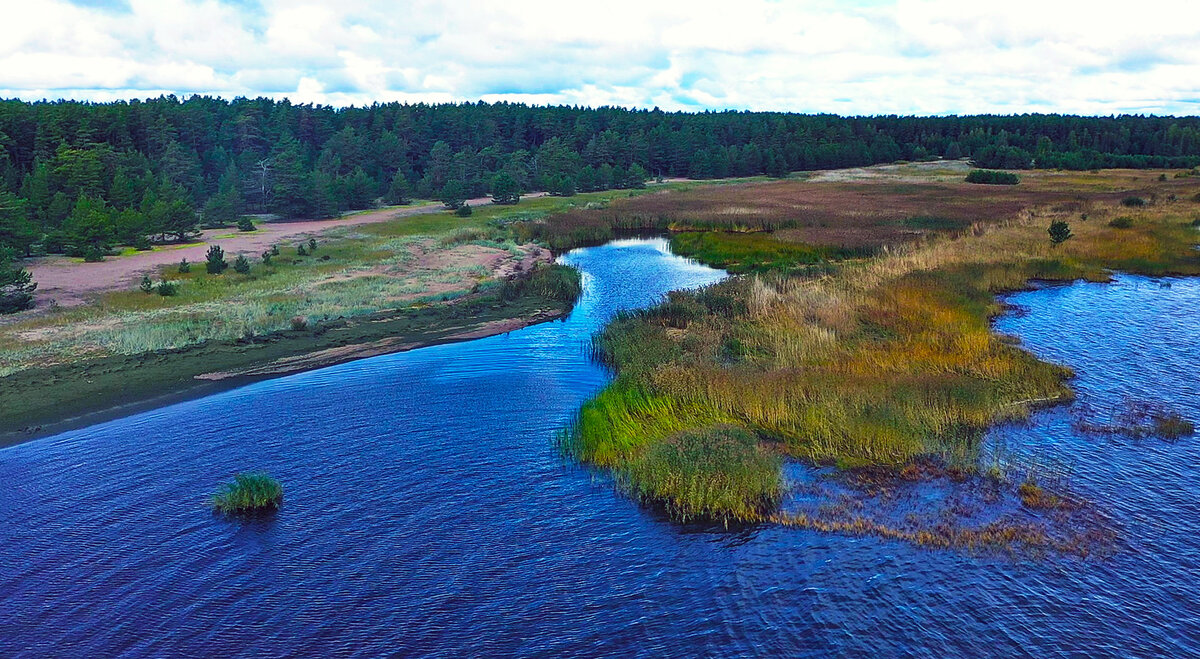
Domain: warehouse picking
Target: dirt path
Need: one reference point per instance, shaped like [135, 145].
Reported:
[70, 283]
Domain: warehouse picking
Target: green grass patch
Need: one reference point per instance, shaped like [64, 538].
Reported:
[756, 252]
[719, 473]
[251, 492]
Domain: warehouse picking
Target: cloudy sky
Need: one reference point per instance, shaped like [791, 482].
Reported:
[850, 57]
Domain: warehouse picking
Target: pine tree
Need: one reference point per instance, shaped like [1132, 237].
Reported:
[215, 260]
[398, 192]
[16, 284]
[504, 189]
[453, 195]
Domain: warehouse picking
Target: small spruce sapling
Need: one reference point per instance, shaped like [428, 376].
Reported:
[215, 260]
[1059, 232]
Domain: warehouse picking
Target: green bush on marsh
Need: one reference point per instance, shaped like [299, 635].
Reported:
[992, 177]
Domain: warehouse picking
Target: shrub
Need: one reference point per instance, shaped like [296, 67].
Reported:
[275, 249]
[167, 288]
[266, 257]
[1133, 202]
[1162, 177]
[184, 267]
[301, 250]
[93, 254]
[245, 224]
[299, 323]
[142, 244]
[147, 286]
[992, 177]
[1123, 222]
[215, 260]
[241, 265]
[1059, 232]
[312, 244]
[464, 210]
[248, 493]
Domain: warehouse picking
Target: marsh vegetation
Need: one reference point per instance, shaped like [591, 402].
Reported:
[874, 362]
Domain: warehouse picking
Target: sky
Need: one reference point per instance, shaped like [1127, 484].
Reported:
[925, 57]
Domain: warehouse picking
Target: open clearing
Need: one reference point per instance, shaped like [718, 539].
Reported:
[69, 282]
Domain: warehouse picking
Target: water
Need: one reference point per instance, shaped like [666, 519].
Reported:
[427, 513]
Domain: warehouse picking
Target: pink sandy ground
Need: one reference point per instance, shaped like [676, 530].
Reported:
[69, 282]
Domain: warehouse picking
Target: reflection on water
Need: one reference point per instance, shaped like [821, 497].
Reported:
[427, 512]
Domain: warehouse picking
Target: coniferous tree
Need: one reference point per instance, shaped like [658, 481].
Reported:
[453, 195]
[214, 260]
[16, 284]
[398, 192]
[505, 190]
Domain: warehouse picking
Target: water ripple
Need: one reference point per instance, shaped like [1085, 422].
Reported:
[427, 513]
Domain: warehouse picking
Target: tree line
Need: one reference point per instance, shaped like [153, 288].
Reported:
[80, 177]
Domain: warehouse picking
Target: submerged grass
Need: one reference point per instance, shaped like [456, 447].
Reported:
[879, 363]
[250, 492]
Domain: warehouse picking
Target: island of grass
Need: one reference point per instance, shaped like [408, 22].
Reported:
[870, 363]
[248, 493]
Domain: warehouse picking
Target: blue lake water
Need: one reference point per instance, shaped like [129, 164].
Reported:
[428, 513]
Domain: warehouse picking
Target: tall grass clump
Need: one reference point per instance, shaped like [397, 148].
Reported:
[250, 492]
[720, 473]
[552, 281]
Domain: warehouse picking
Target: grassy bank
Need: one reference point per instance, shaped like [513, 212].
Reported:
[878, 362]
[50, 399]
[414, 280]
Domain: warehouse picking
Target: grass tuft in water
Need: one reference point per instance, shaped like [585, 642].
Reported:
[250, 492]
[719, 473]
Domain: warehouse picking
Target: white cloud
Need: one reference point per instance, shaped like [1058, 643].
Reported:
[906, 56]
